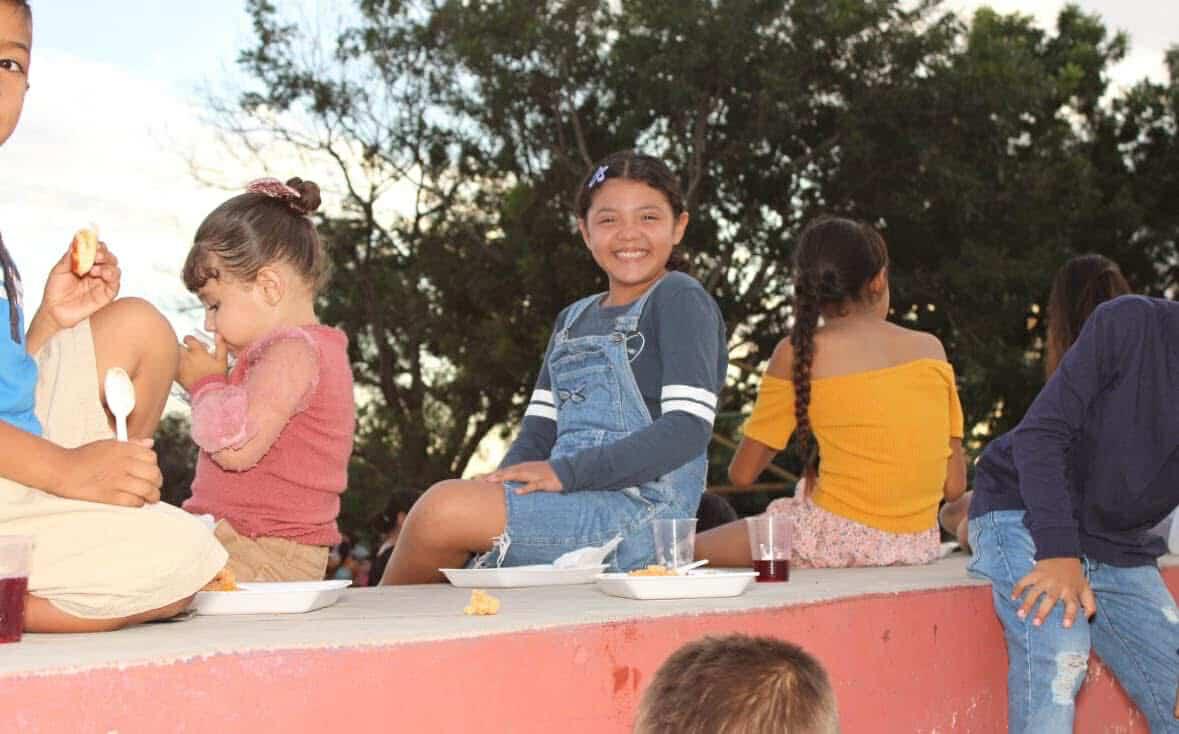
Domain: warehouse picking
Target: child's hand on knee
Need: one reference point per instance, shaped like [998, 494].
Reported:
[111, 472]
[1057, 580]
[536, 476]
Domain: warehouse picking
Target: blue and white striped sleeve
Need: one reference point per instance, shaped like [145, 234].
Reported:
[541, 404]
[697, 401]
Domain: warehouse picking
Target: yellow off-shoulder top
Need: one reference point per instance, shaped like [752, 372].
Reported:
[883, 439]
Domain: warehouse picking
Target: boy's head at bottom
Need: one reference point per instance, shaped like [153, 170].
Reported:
[16, 42]
[736, 683]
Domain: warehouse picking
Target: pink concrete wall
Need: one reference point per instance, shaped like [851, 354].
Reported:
[918, 662]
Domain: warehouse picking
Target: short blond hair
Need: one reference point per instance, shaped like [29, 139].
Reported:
[738, 684]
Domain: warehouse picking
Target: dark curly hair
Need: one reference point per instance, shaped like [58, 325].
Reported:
[635, 166]
[833, 263]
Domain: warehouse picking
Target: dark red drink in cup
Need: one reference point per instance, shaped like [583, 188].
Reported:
[772, 570]
[769, 546]
[12, 608]
[14, 583]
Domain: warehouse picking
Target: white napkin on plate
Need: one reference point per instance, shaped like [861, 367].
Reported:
[588, 556]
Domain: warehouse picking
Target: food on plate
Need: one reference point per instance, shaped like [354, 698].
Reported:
[223, 581]
[652, 570]
[83, 251]
[481, 603]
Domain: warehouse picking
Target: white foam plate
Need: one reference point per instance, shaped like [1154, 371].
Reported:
[277, 597]
[696, 585]
[519, 576]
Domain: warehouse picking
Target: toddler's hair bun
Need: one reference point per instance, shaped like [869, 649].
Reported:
[308, 200]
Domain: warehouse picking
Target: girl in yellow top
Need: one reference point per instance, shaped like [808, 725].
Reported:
[874, 401]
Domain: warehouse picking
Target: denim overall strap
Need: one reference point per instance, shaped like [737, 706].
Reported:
[626, 327]
[575, 312]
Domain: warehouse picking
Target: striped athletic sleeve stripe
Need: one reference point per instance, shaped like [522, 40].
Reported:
[541, 411]
[541, 405]
[708, 415]
[686, 392]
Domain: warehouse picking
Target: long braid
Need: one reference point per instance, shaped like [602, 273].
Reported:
[11, 278]
[802, 339]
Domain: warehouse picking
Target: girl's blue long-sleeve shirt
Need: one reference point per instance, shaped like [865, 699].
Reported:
[1094, 462]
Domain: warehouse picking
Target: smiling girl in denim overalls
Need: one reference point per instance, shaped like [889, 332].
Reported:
[617, 430]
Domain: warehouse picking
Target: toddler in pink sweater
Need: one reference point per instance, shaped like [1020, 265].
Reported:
[275, 432]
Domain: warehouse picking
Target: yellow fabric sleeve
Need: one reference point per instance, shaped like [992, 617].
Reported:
[772, 420]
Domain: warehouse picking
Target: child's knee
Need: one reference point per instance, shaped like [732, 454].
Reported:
[447, 514]
[134, 313]
[135, 328]
[435, 506]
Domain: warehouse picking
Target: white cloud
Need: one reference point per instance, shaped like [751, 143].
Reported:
[97, 144]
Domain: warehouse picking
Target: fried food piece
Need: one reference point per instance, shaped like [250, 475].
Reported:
[481, 604]
[652, 570]
[223, 581]
[83, 251]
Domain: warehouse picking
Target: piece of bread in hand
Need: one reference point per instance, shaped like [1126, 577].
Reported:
[83, 251]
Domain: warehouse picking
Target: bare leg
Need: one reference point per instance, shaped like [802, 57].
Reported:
[727, 545]
[452, 520]
[130, 333]
[41, 616]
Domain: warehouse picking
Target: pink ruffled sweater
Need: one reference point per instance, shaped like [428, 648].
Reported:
[275, 437]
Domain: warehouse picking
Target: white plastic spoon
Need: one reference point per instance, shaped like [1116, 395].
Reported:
[120, 398]
[683, 570]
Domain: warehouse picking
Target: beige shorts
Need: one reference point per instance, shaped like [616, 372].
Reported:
[271, 559]
[92, 560]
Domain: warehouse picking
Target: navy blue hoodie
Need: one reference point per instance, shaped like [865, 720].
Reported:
[1094, 460]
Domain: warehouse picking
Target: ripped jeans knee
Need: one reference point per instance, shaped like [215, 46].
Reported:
[1071, 667]
[499, 551]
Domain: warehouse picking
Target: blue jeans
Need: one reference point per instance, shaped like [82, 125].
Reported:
[1135, 632]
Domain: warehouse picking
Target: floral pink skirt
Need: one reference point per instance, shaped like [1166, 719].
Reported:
[822, 539]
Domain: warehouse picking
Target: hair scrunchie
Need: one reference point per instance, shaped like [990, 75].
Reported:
[276, 189]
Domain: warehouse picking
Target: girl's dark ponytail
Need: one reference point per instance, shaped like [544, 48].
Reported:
[11, 277]
[833, 264]
[1080, 285]
[802, 339]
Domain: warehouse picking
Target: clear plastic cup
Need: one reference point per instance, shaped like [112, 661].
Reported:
[15, 553]
[769, 545]
[675, 541]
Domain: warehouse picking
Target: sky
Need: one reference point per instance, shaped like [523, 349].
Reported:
[114, 118]
[111, 119]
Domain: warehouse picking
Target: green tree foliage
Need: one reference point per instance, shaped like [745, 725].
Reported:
[987, 149]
